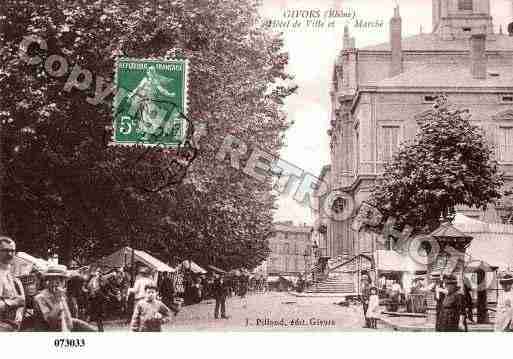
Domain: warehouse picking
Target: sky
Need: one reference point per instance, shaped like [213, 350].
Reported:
[312, 52]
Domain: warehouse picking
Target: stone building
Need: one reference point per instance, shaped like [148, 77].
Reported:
[380, 94]
[291, 249]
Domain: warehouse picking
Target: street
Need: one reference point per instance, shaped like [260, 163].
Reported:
[266, 311]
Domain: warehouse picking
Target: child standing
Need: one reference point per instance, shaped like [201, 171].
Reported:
[374, 311]
[150, 313]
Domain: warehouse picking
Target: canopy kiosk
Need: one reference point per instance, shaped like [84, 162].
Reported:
[490, 252]
[126, 257]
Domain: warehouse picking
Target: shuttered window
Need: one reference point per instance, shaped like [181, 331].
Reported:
[465, 5]
[505, 144]
[389, 142]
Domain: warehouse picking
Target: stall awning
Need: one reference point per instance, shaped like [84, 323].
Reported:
[123, 257]
[24, 263]
[193, 267]
[272, 278]
[215, 269]
[391, 261]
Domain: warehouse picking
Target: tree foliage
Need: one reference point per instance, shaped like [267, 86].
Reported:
[449, 163]
[66, 190]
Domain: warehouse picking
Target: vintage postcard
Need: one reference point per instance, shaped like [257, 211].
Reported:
[255, 166]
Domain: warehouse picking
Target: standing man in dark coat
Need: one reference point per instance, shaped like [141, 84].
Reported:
[220, 291]
[365, 299]
[439, 293]
[453, 307]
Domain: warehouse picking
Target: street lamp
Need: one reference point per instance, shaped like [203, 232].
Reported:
[306, 254]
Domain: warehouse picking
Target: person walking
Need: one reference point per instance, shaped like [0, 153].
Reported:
[452, 315]
[439, 295]
[138, 290]
[97, 299]
[365, 299]
[467, 296]
[243, 290]
[167, 289]
[504, 315]
[220, 293]
[12, 295]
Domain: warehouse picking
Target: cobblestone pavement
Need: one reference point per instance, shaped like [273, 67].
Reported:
[267, 311]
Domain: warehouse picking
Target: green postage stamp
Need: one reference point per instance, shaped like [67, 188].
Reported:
[151, 102]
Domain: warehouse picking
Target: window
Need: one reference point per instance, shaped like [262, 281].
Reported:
[505, 144]
[286, 249]
[389, 137]
[465, 5]
[273, 264]
[430, 98]
[286, 264]
[508, 98]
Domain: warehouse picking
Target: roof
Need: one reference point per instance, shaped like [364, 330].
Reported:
[24, 263]
[153, 262]
[123, 257]
[215, 269]
[447, 230]
[496, 250]
[432, 42]
[391, 261]
[492, 243]
[193, 267]
[457, 75]
[291, 228]
[472, 226]
[469, 225]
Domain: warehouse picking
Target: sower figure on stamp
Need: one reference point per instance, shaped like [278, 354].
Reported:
[220, 290]
[453, 307]
[12, 296]
[504, 315]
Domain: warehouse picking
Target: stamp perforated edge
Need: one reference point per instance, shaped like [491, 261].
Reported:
[185, 100]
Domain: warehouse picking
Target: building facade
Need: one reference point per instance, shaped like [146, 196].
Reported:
[291, 250]
[381, 94]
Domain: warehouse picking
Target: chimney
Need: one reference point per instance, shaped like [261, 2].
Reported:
[478, 58]
[396, 66]
[347, 39]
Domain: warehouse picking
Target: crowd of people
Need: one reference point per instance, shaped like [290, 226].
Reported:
[454, 306]
[62, 299]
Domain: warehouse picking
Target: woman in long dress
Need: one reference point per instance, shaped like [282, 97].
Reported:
[373, 311]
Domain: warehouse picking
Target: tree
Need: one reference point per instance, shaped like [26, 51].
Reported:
[66, 190]
[448, 163]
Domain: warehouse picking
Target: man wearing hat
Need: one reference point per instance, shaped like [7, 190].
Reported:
[504, 315]
[12, 296]
[453, 307]
[440, 293]
[51, 308]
